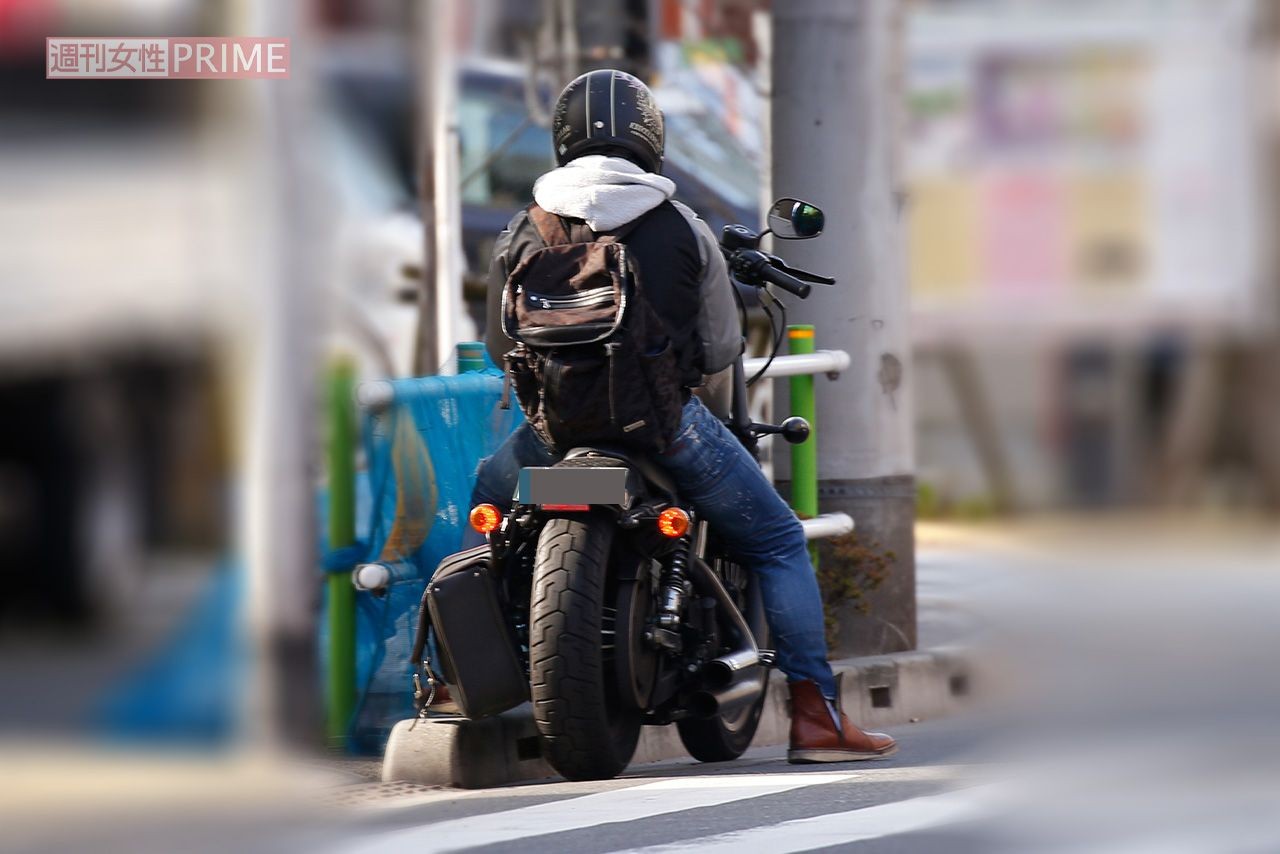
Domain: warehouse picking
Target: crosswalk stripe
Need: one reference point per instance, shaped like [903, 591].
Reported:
[616, 806]
[843, 828]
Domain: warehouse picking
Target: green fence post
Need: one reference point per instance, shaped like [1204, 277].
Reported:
[342, 532]
[470, 356]
[804, 457]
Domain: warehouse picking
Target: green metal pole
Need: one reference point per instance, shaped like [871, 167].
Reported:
[470, 356]
[342, 532]
[804, 457]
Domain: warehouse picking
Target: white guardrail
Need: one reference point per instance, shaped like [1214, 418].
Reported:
[827, 525]
[378, 394]
[830, 362]
[375, 394]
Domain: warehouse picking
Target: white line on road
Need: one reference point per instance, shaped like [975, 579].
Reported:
[617, 806]
[843, 828]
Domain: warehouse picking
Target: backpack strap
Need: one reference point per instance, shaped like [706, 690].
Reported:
[549, 226]
[553, 231]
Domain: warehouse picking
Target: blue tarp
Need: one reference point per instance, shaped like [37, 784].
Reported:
[421, 454]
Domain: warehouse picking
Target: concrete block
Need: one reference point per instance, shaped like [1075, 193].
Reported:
[463, 753]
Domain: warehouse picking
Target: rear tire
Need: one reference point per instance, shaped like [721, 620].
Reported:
[586, 732]
[718, 740]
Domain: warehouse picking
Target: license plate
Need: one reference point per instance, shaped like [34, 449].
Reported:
[573, 486]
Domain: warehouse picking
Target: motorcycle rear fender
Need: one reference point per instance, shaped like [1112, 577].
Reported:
[650, 478]
[644, 479]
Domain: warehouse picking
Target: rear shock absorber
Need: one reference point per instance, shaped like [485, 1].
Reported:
[675, 587]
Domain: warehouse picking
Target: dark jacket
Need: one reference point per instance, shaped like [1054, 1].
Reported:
[683, 275]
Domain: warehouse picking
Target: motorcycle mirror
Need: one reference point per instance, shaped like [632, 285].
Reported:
[795, 430]
[794, 219]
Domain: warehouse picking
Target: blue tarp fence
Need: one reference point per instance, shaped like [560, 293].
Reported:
[413, 497]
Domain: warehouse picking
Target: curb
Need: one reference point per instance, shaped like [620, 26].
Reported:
[878, 691]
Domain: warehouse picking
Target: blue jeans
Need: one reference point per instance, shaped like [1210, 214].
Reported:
[715, 473]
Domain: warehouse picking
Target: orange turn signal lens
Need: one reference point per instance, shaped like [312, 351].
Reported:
[485, 518]
[673, 522]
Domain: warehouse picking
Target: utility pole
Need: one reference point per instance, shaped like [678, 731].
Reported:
[836, 100]
[276, 524]
[1261, 409]
[440, 300]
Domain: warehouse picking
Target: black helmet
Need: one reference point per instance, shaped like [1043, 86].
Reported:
[608, 109]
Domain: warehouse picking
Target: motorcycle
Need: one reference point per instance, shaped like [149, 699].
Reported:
[604, 599]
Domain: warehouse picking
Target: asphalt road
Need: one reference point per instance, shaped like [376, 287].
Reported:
[916, 800]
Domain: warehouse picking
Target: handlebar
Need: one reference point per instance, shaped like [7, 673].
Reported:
[786, 281]
[753, 267]
[750, 266]
[802, 275]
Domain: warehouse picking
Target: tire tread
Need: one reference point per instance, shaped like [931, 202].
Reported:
[567, 676]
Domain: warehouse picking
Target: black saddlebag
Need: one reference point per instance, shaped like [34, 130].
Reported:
[474, 635]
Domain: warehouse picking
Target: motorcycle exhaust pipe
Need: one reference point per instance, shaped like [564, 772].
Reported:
[735, 679]
[723, 671]
[739, 694]
[719, 673]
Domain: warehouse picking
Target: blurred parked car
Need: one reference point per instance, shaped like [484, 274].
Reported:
[503, 151]
[711, 176]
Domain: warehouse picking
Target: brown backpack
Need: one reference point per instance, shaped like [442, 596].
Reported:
[593, 362]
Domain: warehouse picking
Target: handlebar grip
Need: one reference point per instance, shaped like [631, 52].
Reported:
[786, 281]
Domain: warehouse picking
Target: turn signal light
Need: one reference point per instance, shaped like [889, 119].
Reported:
[485, 518]
[673, 522]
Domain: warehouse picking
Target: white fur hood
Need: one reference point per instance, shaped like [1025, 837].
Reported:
[607, 192]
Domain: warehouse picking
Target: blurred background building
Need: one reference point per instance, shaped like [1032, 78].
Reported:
[118, 316]
[1088, 215]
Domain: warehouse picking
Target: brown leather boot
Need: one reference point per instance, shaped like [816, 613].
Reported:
[814, 737]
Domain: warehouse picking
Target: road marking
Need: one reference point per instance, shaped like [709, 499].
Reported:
[613, 807]
[843, 828]
[388, 797]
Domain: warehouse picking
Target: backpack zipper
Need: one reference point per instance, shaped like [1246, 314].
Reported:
[594, 296]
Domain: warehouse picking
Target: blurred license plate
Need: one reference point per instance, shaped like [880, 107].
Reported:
[573, 486]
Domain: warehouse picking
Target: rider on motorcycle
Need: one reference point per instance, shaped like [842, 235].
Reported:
[608, 138]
